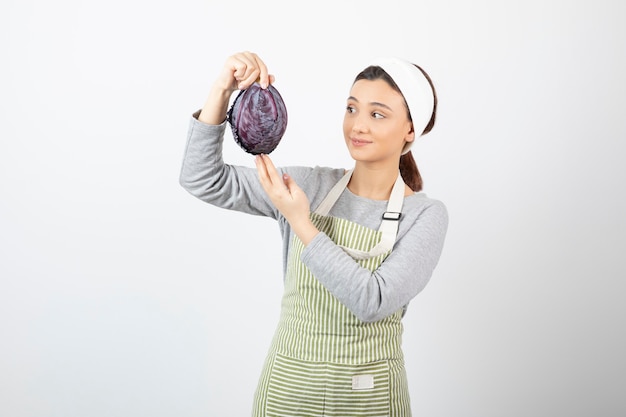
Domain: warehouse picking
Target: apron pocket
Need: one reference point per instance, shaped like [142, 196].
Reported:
[313, 389]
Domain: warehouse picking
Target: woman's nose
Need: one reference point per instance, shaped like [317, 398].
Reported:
[358, 124]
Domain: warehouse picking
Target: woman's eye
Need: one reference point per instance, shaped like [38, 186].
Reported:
[350, 109]
[377, 115]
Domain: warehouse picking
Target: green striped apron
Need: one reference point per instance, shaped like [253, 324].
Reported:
[324, 361]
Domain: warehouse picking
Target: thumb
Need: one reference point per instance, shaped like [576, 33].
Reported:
[289, 182]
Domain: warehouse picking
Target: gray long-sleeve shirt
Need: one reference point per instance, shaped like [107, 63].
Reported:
[371, 296]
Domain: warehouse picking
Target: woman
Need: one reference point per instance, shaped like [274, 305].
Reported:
[358, 245]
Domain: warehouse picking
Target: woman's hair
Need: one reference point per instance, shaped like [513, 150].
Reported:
[408, 167]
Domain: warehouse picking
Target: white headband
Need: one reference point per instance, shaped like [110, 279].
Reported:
[415, 88]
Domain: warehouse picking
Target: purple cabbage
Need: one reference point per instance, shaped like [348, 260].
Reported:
[258, 118]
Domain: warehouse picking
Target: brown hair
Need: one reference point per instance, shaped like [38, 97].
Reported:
[408, 167]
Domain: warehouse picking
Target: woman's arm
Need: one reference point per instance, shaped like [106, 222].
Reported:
[240, 71]
[204, 173]
[372, 296]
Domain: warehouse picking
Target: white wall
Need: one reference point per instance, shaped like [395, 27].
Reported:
[122, 295]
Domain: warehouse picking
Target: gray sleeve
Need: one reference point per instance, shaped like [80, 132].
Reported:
[372, 296]
[205, 175]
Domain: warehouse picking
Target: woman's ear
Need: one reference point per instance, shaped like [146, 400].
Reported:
[410, 137]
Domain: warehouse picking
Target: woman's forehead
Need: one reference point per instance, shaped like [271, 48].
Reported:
[375, 91]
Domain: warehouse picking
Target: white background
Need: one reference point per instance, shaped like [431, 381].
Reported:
[122, 295]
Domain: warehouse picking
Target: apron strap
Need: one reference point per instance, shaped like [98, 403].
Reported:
[390, 218]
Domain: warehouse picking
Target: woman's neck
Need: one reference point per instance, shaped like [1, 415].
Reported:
[375, 184]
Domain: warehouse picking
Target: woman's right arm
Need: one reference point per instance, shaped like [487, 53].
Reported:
[239, 72]
[204, 173]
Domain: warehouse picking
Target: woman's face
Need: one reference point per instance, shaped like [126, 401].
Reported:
[376, 124]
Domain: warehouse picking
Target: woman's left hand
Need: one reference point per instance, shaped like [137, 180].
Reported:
[288, 198]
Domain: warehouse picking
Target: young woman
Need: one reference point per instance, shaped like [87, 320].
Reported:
[359, 244]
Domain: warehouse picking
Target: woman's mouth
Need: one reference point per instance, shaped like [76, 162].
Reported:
[359, 142]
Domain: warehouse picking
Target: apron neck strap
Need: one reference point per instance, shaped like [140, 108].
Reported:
[390, 218]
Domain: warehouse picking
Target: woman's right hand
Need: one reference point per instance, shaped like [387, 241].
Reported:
[240, 71]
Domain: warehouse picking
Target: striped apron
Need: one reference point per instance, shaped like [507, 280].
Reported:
[324, 361]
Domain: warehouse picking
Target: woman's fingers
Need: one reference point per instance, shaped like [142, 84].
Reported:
[269, 177]
[263, 76]
[243, 69]
[249, 68]
[272, 171]
[262, 171]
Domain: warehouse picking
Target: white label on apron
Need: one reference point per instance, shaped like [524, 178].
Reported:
[363, 381]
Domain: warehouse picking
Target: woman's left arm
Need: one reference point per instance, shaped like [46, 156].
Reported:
[374, 295]
[370, 296]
